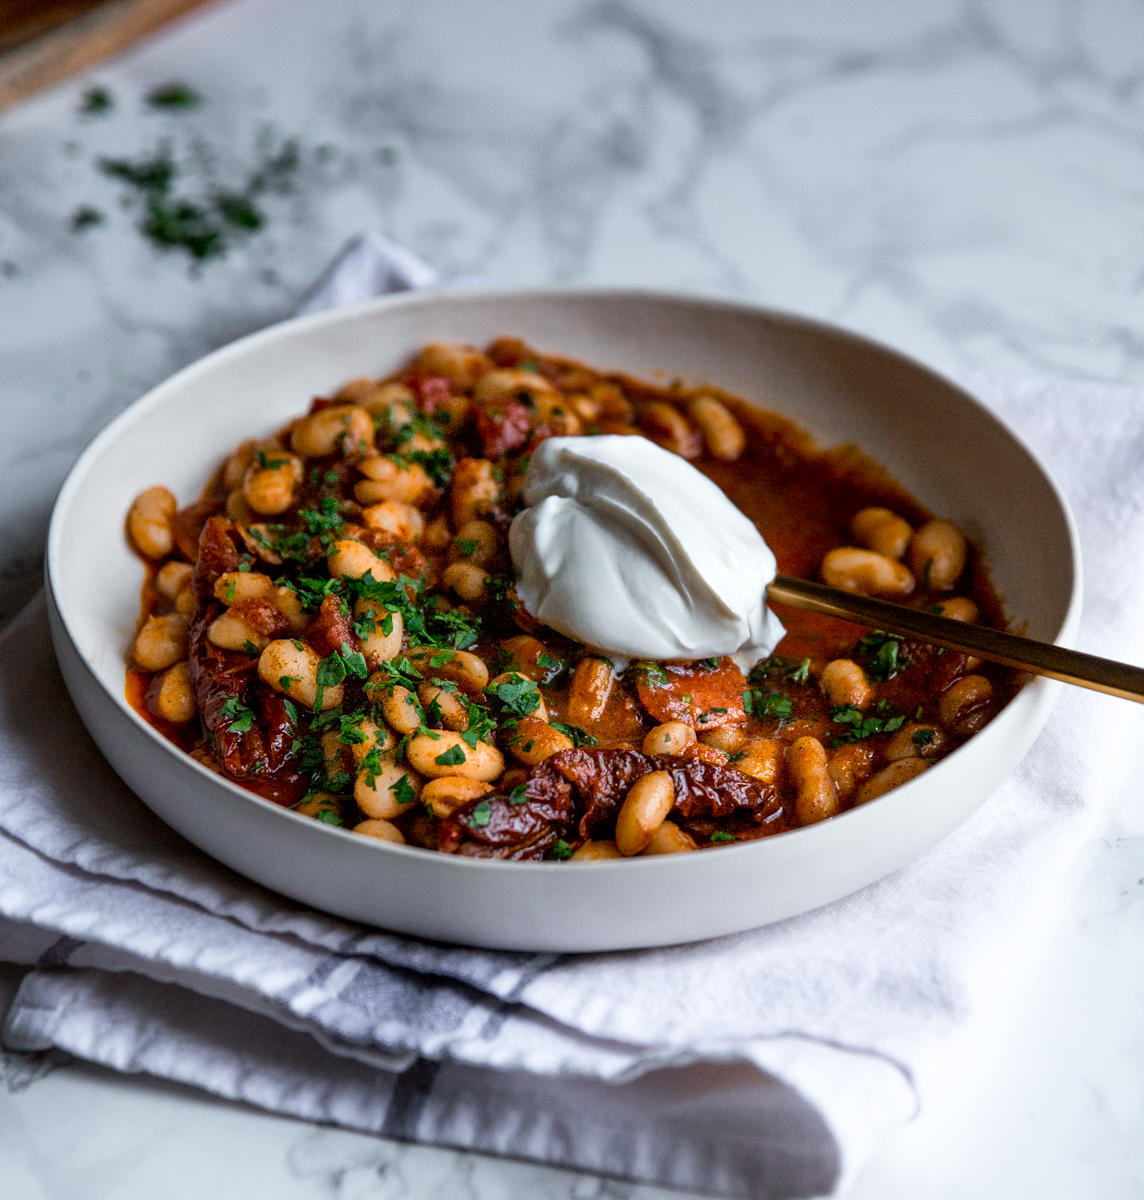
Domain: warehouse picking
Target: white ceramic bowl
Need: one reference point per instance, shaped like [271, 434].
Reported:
[937, 441]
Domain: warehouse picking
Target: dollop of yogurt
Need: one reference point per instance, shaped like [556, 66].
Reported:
[629, 549]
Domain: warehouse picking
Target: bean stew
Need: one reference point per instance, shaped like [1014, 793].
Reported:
[333, 625]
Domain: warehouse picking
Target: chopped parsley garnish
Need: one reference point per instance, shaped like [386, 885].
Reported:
[286, 682]
[467, 546]
[922, 737]
[453, 757]
[778, 667]
[331, 671]
[721, 835]
[861, 726]
[288, 705]
[371, 767]
[655, 674]
[86, 217]
[250, 648]
[401, 670]
[459, 630]
[239, 718]
[438, 464]
[481, 725]
[325, 521]
[329, 817]
[334, 667]
[270, 464]
[97, 101]
[350, 732]
[755, 704]
[709, 664]
[517, 695]
[519, 794]
[403, 791]
[173, 96]
[481, 815]
[561, 849]
[354, 661]
[579, 737]
[551, 666]
[884, 654]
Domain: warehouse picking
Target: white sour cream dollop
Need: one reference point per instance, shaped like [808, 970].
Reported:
[629, 549]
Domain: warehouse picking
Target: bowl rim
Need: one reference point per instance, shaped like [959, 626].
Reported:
[1030, 693]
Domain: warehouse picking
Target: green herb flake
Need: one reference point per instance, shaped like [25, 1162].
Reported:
[518, 695]
[922, 737]
[328, 817]
[861, 726]
[883, 652]
[481, 815]
[96, 102]
[709, 664]
[174, 96]
[248, 647]
[547, 663]
[561, 849]
[773, 705]
[655, 675]
[239, 718]
[467, 546]
[802, 672]
[331, 671]
[453, 757]
[403, 791]
[354, 661]
[721, 835]
[86, 217]
[519, 794]
[579, 737]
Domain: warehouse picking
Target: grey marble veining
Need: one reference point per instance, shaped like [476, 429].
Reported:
[961, 179]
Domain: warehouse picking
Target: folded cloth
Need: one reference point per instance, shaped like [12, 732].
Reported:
[771, 1063]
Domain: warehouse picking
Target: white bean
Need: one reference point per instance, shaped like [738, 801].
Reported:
[446, 753]
[161, 642]
[341, 428]
[937, 554]
[816, 798]
[722, 433]
[643, 811]
[881, 530]
[149, 522]
[672, 737]
[291, 667]
[867, 572]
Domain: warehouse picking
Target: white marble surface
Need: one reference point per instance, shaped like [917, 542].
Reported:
[961, 180]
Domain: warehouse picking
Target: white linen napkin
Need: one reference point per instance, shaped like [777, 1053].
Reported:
[771, 1063]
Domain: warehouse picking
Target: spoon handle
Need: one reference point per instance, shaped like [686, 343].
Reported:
[1041, 658]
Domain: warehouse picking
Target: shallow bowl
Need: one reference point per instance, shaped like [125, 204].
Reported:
[938, 442]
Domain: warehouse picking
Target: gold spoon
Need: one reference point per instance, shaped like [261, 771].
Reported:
[1041, 658]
